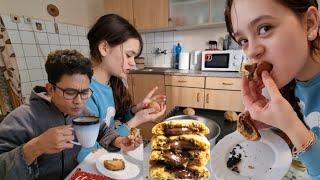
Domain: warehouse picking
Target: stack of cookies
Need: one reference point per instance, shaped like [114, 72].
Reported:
[179, 150]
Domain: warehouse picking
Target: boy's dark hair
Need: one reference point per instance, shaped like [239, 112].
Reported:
[67, 62]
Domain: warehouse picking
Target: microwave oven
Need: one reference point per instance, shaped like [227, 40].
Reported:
[228, 60]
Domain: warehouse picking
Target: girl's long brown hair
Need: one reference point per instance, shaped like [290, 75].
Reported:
[115, 30]
[298, 7]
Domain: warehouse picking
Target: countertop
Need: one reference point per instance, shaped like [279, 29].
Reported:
[170, 71]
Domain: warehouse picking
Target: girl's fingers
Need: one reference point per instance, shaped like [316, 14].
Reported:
[270, 85]
[149, 95]
[246, 94]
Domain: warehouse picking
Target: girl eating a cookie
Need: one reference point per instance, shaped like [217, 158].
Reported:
[114, 43]
[285, 34]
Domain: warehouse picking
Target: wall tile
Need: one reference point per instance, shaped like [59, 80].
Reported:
[21, 63]
[159, 61]
[24, 76]
[22, 26]
[53, 39]
[27, 37]
[33, 62]
[35, 74]
[74, 40]
[42, 38]
[45, 75]
[83, 41]
[54, 47]
[81, 31]
[63, 28]
[49, 26]
[44, 50]
[14, 36]
[168, 46]
[150, 38]
[158, 37]
[75, 47]
[26, 88]
[65, 46]
[168, 59]
[8, 23]
[84, 50]
[143, 36]
[18, 50]
[64, 40]
[178, 36]
[168, 36]
[150, 48]
[30, 50]
[158, 45]
[72, 30]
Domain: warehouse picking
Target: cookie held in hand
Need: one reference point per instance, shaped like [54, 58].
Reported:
[254, 70]
[134, 133]
[154, 105]
[247, 128]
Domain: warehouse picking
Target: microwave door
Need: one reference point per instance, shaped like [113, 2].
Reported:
[217, 61]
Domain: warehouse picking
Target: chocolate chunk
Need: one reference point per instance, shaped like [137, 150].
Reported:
[184, 173]
[177, 131]
[175, 159]
[251, 68]
[182, 145]
[233, 160]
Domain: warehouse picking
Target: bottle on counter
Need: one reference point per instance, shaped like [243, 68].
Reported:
[178, 50]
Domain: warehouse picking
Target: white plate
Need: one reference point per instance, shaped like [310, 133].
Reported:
[130, 171]
[268, 158]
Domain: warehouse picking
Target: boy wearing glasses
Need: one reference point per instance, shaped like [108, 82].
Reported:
[35, 139]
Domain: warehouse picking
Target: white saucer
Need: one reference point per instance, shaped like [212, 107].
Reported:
[130, 171]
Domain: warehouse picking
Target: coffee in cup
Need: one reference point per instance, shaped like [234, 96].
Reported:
[86, 129]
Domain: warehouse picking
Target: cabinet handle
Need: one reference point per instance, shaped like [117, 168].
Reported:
[207, 98]
[198, 97]
[182, 81]
[225, 83]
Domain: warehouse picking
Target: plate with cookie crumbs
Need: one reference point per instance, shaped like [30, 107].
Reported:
[235, 157]
[115, 166]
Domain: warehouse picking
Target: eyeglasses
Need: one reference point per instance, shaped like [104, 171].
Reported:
[71, 94]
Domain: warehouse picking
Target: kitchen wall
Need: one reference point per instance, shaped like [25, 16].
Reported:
[31, 46]
[78, 12]
[189, 39]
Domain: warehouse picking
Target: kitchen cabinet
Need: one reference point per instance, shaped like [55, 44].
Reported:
[142, 84]
[204, 92]
[217, 11]
[150, 14]
[223, 94]
[223, 100]
[143, 14]
[204, 12]
[120, 7]
[184, 96]
[181, 16]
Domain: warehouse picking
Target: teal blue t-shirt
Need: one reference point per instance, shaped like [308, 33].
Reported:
[309, 94]
[101, 104]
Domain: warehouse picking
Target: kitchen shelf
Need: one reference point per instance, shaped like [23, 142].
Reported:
[191, 27]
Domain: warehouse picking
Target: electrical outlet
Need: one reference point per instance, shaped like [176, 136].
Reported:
[27, 20]
[15, 18]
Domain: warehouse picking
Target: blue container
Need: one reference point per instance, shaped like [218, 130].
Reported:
[178, 50]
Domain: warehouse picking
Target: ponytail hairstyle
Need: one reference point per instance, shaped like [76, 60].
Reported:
[299, 8]
[115, 30]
